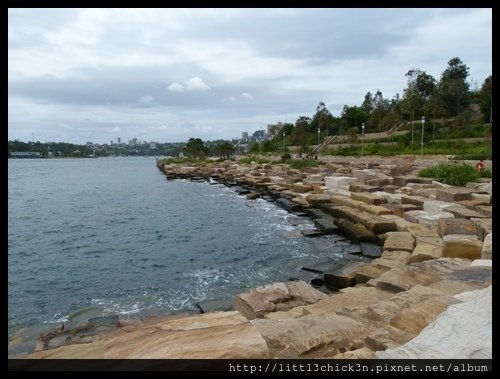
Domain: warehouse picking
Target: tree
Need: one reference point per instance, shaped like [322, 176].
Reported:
[300, 132]
[321, 119]
[453, 87]
[354, 116]
[367, 105]
[485, 99]
[380, 107]
[224, 149]
[421, 82]
[195, 148]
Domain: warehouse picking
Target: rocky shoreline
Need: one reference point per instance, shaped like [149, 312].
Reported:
[432, 245]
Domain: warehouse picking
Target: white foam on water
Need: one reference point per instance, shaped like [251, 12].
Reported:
[57, 319]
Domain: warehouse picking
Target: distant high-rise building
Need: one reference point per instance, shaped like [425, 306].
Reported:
[119, 141]
[111, 142]
[244, 136]
[259, 135]
[135, 141]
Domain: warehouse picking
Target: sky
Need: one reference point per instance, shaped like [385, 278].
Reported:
[166, 75]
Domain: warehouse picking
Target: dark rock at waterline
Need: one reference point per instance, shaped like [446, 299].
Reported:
[215, 305]
[268, 198]
[288, 205]
[370, 249]
[323, 265]
[306, 276]
[326, 225]
[198, 179]
[352, 249]
[241, 191]
[274, 194]
[317, 282]
[253, 195]
[312, 233]
[316, 213]
[230, 184]
[300, 214]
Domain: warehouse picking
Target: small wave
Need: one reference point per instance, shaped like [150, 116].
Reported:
[57, 319]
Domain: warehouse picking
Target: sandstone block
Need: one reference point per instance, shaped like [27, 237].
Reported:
[455, 226]
[487, 250]
[462, 246]
[452, 194]
[275, 297]
[344, 277]
[402, 241]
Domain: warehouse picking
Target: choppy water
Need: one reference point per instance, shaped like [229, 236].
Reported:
[92, 237]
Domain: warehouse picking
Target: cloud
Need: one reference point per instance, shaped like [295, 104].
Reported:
[230, 99]
[193, 84]
[246, 96]
[196, 84]
[116, 129]
[176, 87]
[147, 101]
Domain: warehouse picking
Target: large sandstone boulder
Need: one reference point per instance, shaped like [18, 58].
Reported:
[463, 331]
[312, 336]
[217, 335]
[276, 297]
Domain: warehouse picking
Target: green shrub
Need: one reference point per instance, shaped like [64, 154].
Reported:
[453, 174]
[486, 173]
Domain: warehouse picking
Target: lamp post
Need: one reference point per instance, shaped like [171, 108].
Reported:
[318, 135]
[283, 143]
[422, 138]
[362, 138]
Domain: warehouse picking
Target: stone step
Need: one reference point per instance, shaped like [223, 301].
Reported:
[368, 198]
[354, 231]
[343, 277]
[452, 194]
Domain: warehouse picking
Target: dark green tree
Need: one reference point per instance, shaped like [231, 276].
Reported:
[485, 99]
[453, 87]
[195, 148]
[300, 132]
[224, 149]
[322, 119]
[354, 116]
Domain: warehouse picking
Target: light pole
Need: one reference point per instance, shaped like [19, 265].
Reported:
[318, 136]
[362, 138]
[422, 138]
[283, 143]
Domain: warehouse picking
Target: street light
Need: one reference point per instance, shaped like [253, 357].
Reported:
[422, 139]
[362, 138]
[318, 135]
[283, 143]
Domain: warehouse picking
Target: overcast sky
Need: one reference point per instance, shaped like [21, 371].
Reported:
[165, 75]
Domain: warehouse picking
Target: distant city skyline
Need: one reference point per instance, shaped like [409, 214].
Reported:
[166, 75]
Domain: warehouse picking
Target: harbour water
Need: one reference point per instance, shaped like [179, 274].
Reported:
[94, 237]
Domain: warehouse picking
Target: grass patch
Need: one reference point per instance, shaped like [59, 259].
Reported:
[302, 163]
[453, 174]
